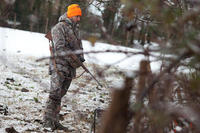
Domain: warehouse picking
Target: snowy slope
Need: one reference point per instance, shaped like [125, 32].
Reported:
[23, 42]
[24, 83]
[24, 86]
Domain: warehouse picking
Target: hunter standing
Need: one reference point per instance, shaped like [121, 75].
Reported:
[65, 38]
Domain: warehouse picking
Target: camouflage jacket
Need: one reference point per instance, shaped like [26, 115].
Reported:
[66, 37]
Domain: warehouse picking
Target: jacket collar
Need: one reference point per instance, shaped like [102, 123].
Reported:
[67, 20]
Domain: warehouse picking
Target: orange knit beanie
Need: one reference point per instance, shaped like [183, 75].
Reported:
[73, 10]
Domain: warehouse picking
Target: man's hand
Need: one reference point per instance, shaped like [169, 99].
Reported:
[82, 59]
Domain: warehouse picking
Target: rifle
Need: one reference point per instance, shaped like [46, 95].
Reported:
[75, 58]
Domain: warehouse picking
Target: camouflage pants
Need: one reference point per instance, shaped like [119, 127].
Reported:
[59, 86]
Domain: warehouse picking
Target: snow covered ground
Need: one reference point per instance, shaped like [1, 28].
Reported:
[24, 86]
[24, 83]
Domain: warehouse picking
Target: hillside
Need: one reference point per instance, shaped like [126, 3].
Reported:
[24, 86]
[24, 83]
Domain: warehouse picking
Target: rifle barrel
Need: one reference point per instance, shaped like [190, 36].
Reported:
[93, 77]
[83, 66]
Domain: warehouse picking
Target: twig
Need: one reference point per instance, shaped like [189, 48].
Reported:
[157, 79]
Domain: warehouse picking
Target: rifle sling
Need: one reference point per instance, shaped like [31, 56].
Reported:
[53, 59]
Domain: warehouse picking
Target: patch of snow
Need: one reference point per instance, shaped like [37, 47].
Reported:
[96, 8]
[13, 23]
[178, 128]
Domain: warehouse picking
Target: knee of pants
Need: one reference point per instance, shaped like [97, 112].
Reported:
[57, 94]
[63, 92]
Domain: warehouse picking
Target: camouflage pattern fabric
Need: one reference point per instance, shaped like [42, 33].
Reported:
[65, 38]
[59, 86]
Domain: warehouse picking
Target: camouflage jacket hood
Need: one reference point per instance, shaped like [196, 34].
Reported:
[64, 18]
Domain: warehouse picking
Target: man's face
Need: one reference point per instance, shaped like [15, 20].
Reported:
[76, 19]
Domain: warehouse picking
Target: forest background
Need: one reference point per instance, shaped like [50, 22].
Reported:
[42, 15]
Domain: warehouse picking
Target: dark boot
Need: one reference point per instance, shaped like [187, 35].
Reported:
[54, 125]
[51, 112]
[60, 126]
[48, 123]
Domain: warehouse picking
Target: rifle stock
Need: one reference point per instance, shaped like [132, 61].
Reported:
[49, 36]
